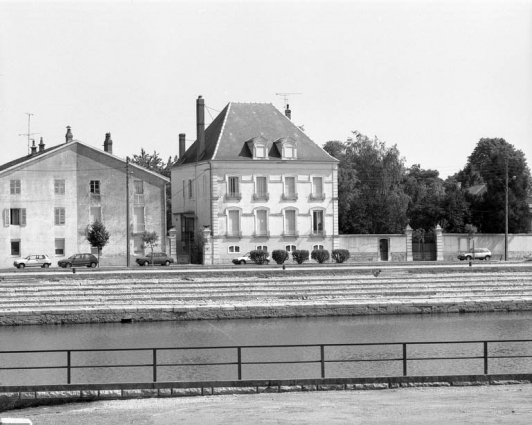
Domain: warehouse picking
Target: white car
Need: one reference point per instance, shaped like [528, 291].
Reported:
[247, 259]
[33, 260]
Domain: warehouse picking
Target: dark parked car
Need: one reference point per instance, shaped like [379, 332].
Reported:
[159, 258]
[78, 260]
[475, 254]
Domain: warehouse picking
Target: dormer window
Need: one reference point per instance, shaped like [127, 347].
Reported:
[287, 147]
[259, 147]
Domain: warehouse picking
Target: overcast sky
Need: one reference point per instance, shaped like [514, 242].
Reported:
[431, 77]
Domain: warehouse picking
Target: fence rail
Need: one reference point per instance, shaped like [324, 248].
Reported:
[238, 361]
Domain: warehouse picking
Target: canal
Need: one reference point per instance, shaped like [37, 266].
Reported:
[315, 330]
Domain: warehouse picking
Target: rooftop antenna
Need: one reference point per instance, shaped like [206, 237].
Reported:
[285, 97]
[29, 133]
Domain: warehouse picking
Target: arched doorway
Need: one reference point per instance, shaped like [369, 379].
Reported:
[383, 249]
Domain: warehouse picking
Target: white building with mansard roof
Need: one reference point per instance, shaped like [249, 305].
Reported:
[257, 181]
[51, 196]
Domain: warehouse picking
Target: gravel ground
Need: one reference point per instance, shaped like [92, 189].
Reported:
[511, 404]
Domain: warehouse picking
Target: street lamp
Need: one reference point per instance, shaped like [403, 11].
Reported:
[506, 215]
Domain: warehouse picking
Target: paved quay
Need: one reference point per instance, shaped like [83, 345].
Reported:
[508, 404]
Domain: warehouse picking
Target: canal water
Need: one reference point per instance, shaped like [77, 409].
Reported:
[315, 330]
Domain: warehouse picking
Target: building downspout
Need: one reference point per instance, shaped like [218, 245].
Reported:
[335, 219]
[212, 211]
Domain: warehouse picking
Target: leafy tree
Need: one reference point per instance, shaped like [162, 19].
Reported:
[259, 256]
[98, 237]
[340, 255]
[154, 162]
[279, 256]
[471, 231]
[320, 255]
[150, 239]
[300, 255]
[493, 162]
[370, 186]
[456, 207]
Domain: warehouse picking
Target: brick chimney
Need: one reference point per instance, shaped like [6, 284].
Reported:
[108, 143]
[182, 145]
[33, 148]
[200, 121]
[41, 145]
[288, 112]
[68, 136]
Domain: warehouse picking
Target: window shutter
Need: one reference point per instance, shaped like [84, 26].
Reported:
[23, 216]
[6, 217]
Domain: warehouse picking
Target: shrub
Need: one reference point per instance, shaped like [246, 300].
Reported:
[300, 255]
[340, 255]
[320, 255]
[259, 256]
[280, 256]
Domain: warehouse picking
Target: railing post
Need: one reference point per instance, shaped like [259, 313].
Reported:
[154, 365]
[239, 354]
[405, 371]
[322, 347]
[485, 357]
[69, 376]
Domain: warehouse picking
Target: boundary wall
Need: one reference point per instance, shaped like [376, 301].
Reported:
[16, 397]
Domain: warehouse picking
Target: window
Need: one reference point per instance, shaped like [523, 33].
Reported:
[59, 216]
[95, 187]
[233, 185]
[262, 248]
[95, 214]
[233, 248]
[288, 152]
[139, 191]
[59, 247]
[317, 222]
[289, 192]
[59, 187]
[183, 189]
[187, 229]
[261, 228]
[317, 247]
[260, 151]
[290, 223]
[138, 220]
[290, 248]
[15, 217]
[15, 247]
[261, 188]
[287, 147]
[233, 223]
[317, 188]
[190, 188]
[14, 187]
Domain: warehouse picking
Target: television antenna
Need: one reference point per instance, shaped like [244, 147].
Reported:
[285, 97]
[29, 133]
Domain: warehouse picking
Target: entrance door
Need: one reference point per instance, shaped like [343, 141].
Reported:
[383, 249]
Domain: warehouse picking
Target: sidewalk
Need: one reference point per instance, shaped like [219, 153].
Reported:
[509, 404]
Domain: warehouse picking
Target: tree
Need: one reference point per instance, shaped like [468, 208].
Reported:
[494, 162]
[150, 239]
[154, 162]
[471, 231]
[98, 237]
[371, 198]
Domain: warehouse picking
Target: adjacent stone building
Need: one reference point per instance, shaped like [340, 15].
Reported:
[49, 198]
[256, 181]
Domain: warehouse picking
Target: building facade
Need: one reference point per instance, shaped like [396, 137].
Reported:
[50, 197]
[256, 181]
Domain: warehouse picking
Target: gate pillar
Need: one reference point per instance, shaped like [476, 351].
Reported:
[439, 243]
[408, 233]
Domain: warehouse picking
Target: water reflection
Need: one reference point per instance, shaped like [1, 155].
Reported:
[321, 330]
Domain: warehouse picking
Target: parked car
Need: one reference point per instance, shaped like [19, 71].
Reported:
[159, 258]
[78, 260]
[246, 258]
[33, 260]
[475, 254]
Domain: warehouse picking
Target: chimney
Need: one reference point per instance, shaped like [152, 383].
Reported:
[288, 112]
[33, 148]
[182, 145]
[41, 145]
[108, 143]
[200, 120]
[69, 137]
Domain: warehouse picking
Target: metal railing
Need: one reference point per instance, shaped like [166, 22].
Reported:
[238, 361]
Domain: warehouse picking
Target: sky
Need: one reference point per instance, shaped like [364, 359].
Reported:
[432, 77]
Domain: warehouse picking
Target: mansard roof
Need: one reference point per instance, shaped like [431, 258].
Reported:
[238, 123]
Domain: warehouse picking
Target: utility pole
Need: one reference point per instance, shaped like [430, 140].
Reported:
[29, 133]
[127, 212]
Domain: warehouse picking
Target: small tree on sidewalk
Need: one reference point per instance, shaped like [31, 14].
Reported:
[470, 230]
[151, 240]
[98, 237]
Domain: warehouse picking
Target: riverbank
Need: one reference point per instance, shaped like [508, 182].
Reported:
[172, 295]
